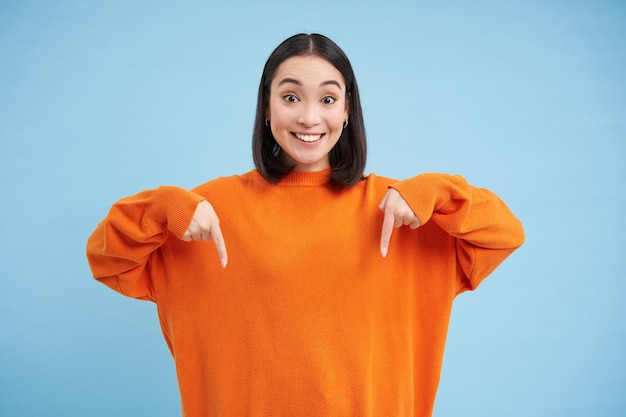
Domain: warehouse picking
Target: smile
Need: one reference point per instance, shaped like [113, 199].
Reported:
[308, 138]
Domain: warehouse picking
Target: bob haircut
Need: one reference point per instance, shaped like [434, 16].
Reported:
[347, 157]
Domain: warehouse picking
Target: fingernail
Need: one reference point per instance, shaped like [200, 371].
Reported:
[223, 261]
[383, 251]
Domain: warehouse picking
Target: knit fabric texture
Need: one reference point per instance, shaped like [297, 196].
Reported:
[307, 319]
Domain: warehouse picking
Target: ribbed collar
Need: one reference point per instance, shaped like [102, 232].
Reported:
[306, 178]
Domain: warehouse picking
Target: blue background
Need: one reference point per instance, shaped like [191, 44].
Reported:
[99, 100]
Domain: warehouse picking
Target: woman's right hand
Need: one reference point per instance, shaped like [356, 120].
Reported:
[205, 225]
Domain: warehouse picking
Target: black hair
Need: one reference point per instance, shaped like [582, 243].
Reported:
[347, 158]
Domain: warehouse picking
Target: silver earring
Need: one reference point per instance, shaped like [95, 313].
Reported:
[275, 149]
[267, 123]
[345, 124]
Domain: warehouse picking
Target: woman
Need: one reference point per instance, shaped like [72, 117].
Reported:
[311, 303]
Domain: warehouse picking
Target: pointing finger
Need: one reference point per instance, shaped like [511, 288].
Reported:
[220, 245]
[385, 236]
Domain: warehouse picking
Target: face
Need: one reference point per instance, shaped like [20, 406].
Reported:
[307, 109]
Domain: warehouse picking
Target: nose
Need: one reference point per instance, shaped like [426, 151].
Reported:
[309, 116]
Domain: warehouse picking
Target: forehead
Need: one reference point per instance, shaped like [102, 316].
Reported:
[308, 69]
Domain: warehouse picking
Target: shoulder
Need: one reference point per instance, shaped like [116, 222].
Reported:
[378, 181]
[230, 184]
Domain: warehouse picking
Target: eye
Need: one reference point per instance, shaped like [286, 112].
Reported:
[329, 100]
[290, 98]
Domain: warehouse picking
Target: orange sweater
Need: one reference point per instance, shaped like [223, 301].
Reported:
[307, 319]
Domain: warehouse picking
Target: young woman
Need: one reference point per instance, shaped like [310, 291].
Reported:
[314, 300]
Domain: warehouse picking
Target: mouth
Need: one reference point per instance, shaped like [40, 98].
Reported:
[308, 138]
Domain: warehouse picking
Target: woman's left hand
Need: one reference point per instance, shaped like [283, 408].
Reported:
[396, 213]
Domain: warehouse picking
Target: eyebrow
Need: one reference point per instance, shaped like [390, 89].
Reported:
[296, 82]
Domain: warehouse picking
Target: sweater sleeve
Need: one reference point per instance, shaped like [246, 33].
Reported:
[119, 249]
[486, 231]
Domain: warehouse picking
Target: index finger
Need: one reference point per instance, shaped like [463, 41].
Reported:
[385, 236]
[220, 245]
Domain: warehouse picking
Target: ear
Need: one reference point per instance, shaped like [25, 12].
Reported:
[346, 113]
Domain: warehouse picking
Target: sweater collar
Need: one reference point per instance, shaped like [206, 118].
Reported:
[306, 178]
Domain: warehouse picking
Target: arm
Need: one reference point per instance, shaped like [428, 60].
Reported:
[485, 229]
[119, 249]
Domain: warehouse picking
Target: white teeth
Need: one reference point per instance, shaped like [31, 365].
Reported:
[308, 138]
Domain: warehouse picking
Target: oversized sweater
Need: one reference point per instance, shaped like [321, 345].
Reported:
[307, 319]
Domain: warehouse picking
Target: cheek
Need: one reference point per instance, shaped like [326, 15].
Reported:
[337, 119]
[278, 115]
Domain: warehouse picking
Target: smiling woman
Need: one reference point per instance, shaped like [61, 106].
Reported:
[309, 312]
[333, 91]
[307, 111]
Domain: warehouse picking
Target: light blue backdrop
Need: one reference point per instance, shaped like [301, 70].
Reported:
[99, 100]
